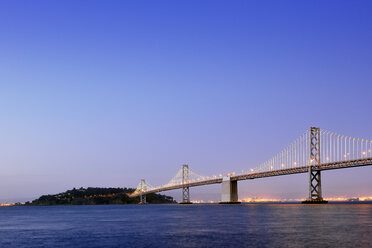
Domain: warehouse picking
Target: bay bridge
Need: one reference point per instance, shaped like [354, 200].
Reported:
[314, 151]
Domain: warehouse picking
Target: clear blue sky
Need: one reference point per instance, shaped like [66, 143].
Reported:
[104, 93]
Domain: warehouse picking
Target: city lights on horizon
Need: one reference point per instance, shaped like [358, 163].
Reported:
[276, 200]
[263, 200]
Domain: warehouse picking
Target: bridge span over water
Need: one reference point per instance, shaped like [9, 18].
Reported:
[314, 151]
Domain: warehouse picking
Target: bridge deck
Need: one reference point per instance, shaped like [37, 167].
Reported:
[297, 170]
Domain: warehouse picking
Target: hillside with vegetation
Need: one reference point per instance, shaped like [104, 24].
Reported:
[97, 196]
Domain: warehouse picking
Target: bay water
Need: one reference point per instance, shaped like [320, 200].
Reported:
[209, 225]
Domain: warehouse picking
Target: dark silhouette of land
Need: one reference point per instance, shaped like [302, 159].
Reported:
[97, 196]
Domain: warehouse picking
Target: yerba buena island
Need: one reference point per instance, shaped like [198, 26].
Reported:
[96, 196]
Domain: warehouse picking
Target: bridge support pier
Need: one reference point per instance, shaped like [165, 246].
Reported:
[186, 196]
[143, 189]
[142, 199]
[229, 191]
[315, 186]
[185, 180]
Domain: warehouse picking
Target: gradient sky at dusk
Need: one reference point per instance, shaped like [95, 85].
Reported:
[104, 93]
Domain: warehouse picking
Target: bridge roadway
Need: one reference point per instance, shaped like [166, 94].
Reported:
[296, 170]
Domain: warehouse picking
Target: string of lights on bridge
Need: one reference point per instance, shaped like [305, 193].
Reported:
[334, 148]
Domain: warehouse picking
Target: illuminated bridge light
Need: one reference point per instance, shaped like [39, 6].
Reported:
[333, 147]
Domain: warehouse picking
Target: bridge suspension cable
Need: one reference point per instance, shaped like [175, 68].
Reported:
[295, 155]
[333, 148]
[313, 147]
[142, 187]
[178, 179]
[336, 147]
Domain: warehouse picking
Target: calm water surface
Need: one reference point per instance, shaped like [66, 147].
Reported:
[271, 225]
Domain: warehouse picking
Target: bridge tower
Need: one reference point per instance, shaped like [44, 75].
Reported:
[185, 180]
[315, 183]
[143, 189]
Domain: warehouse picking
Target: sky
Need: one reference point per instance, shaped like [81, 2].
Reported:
[104, 93]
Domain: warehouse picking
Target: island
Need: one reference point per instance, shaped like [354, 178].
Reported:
[97, 196]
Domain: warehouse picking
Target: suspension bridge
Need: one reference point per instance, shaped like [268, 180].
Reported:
[314, 151]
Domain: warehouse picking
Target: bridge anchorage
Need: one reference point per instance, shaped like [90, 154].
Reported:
[314, 151]
[229, 191]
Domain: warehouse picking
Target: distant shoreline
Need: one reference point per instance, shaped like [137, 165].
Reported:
[243, 203]
[93, 196]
